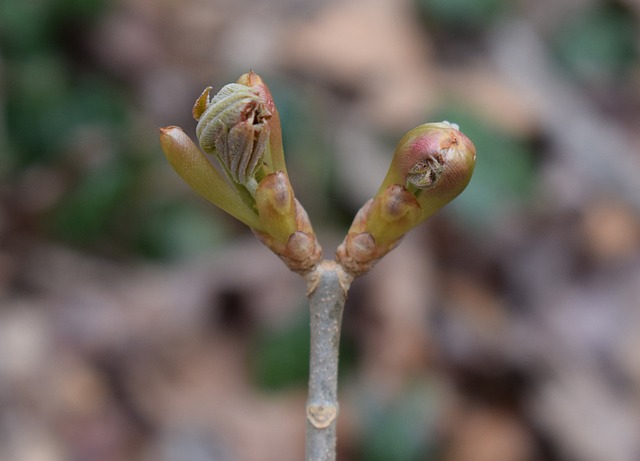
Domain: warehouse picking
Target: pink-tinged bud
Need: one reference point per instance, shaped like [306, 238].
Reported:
[435, 162]
[196, 170]
[233, 126]
[240, 126]
[377, 228]
[431, 166]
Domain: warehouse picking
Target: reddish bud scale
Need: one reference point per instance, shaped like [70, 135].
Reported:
[275, 152]
[436, 161]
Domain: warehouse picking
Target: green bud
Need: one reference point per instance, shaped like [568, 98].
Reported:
[196, 170]
[276, 206]
[233, 126]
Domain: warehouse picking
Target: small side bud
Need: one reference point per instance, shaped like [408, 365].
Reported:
[196, 170]
[274, 156]
[377, 229]
[276, 206]
[431, 166]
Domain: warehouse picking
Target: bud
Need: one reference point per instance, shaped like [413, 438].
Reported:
[392, 213]
[196, 170]
[276, 206]
[431, 166]
[240, 126]
[433, 161]
[232, 126]
[274, 157]
[286, 227]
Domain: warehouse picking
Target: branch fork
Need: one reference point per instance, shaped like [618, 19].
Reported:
[240, 129]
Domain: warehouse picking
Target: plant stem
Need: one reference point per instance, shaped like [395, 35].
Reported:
[328, 284]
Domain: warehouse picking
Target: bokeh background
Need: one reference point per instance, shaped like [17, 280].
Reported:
[137, 322]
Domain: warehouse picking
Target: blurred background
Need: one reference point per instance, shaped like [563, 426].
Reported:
[138, 322]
